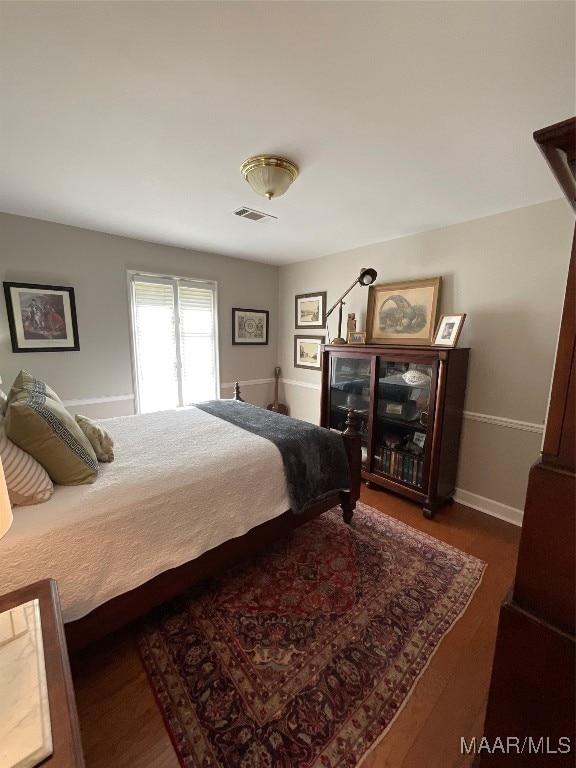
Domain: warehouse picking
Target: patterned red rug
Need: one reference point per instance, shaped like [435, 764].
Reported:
[303, 656]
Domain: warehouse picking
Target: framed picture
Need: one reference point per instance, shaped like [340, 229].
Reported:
[249, 326]
[311, 310]
[357, 337]
[42, 318]
[448, 330]
[307, 351]
[403, 313]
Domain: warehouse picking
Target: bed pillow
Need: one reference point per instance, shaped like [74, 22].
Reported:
[100, 439]
[25, 382]
[43, 428]
[27, 481]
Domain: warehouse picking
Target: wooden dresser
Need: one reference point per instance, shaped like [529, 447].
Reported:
[533, 676]
[66, 744]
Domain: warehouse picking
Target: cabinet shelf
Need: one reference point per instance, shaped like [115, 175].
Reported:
[390, 387]
[413, 424]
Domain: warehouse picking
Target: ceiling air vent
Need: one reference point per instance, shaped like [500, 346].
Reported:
[249, 213]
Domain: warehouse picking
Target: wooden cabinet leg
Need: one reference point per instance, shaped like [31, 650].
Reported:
[428, 512]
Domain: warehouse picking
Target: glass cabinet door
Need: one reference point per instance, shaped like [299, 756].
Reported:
[400, 422]
[350, 388]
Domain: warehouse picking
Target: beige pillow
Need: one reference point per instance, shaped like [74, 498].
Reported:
[27, 481]
[100, 439]
[43, 428]
[25, 382]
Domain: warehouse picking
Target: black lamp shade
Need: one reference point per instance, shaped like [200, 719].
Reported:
[367, 276]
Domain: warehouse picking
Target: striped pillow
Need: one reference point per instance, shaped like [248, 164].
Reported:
[27, 481]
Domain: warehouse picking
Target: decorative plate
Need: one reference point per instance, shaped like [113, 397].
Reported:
[416, 378]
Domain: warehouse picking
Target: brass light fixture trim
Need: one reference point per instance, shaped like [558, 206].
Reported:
[269, 175]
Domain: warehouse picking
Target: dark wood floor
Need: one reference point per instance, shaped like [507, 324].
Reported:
[122, 727]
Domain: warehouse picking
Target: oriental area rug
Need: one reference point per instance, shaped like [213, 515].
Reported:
[302, 656]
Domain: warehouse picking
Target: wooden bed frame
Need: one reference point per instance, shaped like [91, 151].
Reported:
[127, 607]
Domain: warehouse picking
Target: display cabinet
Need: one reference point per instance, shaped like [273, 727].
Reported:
[409, 402]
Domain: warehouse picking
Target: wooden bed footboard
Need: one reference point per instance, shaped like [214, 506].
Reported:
[125, 608]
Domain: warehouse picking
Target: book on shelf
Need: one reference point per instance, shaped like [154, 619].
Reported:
[399, 465]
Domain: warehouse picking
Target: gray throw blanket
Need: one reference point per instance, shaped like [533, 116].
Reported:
[315, 461]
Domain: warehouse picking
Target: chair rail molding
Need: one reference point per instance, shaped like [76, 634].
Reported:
[98, 400]
[500, 421]
[248, 383]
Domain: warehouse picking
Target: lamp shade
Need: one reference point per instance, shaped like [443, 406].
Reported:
[367, 276]
[5, 508]
[268, 175]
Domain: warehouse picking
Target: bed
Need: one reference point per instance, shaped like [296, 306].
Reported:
[189, 493]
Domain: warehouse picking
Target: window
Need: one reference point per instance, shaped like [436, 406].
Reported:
[174, 341]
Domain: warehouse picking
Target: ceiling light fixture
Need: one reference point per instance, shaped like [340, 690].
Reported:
[269, 175]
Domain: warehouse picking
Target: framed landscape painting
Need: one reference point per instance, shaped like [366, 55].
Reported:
[307, 352]
[41, 318]
[403, 313]
[311, 310]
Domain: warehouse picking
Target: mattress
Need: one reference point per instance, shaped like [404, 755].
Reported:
[182, 483]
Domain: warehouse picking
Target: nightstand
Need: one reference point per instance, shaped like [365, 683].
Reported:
[66, 743]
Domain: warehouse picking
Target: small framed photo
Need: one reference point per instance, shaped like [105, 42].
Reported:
[310, 310]
[307, 352]
[357, 337]
[41, 318]
[249, 326]
[448, 330]
[419, 438]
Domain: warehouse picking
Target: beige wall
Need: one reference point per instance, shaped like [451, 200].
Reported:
[95, 265]
[508, 273]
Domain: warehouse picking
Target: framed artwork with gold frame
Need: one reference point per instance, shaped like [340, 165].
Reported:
[403, 313]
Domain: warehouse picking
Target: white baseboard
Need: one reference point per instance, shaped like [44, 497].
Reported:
[490, 507]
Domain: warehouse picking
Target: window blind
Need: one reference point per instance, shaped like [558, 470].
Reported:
[174, 337]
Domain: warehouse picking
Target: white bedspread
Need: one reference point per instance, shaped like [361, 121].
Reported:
[182, 483]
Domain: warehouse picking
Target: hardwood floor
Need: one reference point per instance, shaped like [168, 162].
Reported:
[122, 726]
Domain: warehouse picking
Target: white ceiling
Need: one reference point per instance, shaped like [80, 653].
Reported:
[134, 117]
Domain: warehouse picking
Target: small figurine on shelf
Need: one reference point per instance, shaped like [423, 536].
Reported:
[351, 324]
